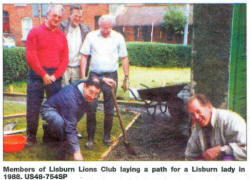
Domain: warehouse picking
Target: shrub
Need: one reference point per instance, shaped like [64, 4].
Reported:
[174, 20]
[147, 54]
[14, 65]
[143, 54]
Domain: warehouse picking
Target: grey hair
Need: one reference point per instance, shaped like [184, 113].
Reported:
[106, 18]
[57, 6]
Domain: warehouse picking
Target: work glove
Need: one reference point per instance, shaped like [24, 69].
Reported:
[125, 84]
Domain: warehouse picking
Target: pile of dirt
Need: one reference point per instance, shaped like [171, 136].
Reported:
[153, 139]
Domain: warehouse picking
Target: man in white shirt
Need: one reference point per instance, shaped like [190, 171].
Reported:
[216, 134]
[106, 47]
[75, 33]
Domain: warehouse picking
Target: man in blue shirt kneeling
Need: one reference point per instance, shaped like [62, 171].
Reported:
[63, 110]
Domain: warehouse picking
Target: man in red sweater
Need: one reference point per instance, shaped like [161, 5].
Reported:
[47, 57]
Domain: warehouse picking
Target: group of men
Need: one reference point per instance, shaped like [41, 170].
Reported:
[60, 54]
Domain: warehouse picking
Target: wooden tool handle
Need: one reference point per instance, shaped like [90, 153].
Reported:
[119, 116]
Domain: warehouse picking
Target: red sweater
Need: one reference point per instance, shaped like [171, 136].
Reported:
[47, 49]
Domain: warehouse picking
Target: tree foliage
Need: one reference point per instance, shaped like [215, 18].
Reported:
[174, 20]
[14, 65]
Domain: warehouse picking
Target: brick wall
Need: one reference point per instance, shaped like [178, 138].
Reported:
[17, 13]
[159, 35]
[90, 11]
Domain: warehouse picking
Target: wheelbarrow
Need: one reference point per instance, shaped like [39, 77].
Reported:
[159, 96]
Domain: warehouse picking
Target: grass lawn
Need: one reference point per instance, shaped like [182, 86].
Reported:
[13, 108]
[18, 87]
[43, 152]
[152, 77]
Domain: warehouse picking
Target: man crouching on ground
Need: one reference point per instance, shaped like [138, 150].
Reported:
[217, 134]
[63, 110]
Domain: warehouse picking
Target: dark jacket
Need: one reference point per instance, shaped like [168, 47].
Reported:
[71, 105]
[64, 26]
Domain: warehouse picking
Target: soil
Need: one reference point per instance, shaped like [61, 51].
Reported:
[156, 139]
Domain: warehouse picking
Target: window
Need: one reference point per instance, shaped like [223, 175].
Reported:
[35, 10]
[26, 26]
[20, 4]
[39, 7]
[6, 25]
[5, 17]
[44, 8]
[96, 22]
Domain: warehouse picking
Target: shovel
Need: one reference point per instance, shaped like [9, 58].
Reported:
[9, 126]
[128, 146]
[8, 129]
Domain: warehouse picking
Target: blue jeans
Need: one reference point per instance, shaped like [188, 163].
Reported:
[35, 96]
[55, 128]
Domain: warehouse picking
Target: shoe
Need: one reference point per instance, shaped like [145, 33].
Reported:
[46, 137]
[107, 141]
[30, 143]
[89, 144]
[79, 136]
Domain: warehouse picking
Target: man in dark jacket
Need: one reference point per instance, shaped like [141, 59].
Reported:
[63, 110]
[75, 33]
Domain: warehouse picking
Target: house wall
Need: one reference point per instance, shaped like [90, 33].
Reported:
[17, 13]
[92, 10]
[131, 34]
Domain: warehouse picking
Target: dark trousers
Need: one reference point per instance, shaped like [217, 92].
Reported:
[108, 107]
[35, 95]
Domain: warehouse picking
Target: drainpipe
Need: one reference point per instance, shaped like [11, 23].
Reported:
[152, 31]
[185, 39]
[40, 13]
[138, 33]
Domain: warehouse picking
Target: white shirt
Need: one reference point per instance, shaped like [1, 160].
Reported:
[228, 130]
[105, 52]
[74, 44]
[80, 87]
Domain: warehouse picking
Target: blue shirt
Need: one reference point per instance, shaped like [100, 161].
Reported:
[71, 105]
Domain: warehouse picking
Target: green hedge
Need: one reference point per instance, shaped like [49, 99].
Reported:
[147, 54]
[143, 54]
[14, 65]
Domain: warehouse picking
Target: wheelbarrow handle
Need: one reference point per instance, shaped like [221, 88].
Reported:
[133, 94]
[145, 86]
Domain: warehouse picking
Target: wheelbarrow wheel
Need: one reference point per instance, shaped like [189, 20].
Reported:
[176, 108]
[151, 108]
[163, 107]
